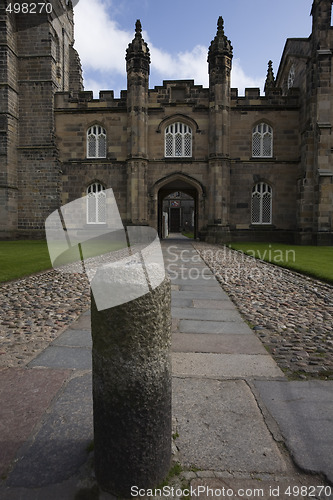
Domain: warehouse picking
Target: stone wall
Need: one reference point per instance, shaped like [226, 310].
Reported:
[45, 115]
[8, 124]
[34, 64]
[75, 115]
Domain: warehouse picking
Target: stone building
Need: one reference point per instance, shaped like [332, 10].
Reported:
[256, 167]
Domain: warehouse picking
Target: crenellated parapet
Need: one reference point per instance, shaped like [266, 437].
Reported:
[275, 99]
[85, 100]
[178, 92]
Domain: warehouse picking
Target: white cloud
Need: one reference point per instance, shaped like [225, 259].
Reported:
[99, 40]
[102, 51]
[242, 81]
[184, 65]
[97, 84]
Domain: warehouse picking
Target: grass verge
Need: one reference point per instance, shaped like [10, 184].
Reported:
[25, 257]
[21, 258]
[309, 260]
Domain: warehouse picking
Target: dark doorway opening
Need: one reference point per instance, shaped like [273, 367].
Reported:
[177, 208]
[174, 221]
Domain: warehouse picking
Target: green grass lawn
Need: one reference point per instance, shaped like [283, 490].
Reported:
[310, 260]
[21, 258]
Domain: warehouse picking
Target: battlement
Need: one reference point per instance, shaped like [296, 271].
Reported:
[178, 91]
[274, 98]
[85, 100]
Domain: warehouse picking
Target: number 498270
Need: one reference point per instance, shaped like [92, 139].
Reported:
[29, 8]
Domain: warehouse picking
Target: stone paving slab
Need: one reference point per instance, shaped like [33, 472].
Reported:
[304, 413]
[171, 265]
[190, 269]
[74, 338]
[212, 295]
[24, 395]
[83, 322]
[60, 447]
[76, 358]
[213, 304]
[205, 314]
[224, 344]
[224, 366]
[64, 491]
[221, 428]
[181, 303]
[195, 326]
[196, 282]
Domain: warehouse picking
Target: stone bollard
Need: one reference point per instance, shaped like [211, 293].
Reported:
[132, 391]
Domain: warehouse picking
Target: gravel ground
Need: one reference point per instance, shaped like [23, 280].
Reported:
[290, 313]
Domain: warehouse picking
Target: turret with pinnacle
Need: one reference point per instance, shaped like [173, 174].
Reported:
[137, 53]
[219, 67]
[219, 56]
[137, 65]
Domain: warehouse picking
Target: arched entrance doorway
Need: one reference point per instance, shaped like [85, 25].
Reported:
[178, 213]
[180, 197]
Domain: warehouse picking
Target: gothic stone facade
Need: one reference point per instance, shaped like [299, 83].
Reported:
[257, 167]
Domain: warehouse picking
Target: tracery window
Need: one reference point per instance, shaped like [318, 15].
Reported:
[262, 141]
[261, 206]
[178, 140]
[291, 77]
[96, 204]
[96, 142]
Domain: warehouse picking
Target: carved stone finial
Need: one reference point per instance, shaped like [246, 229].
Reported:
[220, 45]
[138, 48]
[220, 26]
[270, 80]
[138, 27]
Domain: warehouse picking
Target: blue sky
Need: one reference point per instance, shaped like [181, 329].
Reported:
[179, 33]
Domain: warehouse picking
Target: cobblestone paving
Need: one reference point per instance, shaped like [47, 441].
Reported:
[290, 313]
[35, 310]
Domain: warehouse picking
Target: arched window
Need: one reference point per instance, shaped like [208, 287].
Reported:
[96, 142]
[291, 77]
[96, 204]
[262, 141]
[178, 140]
[261, 206]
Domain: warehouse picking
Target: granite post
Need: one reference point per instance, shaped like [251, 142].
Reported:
[132, 391]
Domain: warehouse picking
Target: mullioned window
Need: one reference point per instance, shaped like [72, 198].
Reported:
[262, 141]
[96, 142]
[96, 204]
[178, 140]
[261, 206]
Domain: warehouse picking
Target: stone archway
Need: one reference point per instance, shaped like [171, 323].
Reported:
[179, 182]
